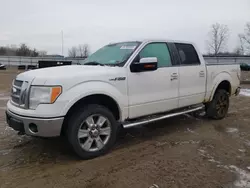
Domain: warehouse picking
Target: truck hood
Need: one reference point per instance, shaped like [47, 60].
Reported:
[78, 73]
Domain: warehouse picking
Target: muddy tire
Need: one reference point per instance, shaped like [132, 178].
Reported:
[218, 107]
[92, 131]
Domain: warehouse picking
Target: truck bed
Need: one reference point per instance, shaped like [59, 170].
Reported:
[215, 72]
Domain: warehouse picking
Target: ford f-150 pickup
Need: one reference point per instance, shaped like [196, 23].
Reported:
[121, 85]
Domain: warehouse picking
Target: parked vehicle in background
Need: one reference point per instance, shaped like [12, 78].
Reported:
[2, 66]
[45, 64]
[121, 85]
[245, 66]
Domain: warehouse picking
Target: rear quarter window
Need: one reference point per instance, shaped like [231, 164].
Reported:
[188, 54]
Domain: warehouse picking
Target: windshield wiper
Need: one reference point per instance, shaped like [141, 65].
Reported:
[93, 63]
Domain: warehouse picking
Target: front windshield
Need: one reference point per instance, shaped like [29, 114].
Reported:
[112, 54]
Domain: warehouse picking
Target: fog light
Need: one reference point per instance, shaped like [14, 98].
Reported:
[33, 128]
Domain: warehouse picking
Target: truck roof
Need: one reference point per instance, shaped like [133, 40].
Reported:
[166, 40]
[157, 40]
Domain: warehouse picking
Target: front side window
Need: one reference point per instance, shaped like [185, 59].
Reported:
[158, 50]
[188, 54]
[112, 54]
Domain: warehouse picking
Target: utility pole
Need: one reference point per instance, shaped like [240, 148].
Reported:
[62, 42]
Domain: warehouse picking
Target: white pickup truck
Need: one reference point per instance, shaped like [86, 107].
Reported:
[119, 86]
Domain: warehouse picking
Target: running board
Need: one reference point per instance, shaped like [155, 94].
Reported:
[146, 121]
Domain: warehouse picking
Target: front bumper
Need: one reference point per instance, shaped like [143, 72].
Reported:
[44, 127]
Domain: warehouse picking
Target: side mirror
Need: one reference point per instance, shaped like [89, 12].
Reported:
[145, 64]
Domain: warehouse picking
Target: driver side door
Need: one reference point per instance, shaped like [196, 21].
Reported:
[155, 91]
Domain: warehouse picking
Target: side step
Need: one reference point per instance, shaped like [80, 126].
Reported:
[165, 116]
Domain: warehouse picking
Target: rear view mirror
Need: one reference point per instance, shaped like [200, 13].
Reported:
[145, 64]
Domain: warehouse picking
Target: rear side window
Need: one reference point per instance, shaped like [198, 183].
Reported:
[188, 54]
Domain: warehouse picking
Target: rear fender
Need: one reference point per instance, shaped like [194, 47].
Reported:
[222, 76]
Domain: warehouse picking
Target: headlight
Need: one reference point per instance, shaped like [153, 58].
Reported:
[43, 95]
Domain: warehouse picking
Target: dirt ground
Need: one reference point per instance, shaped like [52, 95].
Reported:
[179, 152]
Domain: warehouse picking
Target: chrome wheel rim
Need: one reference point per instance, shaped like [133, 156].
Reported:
[94, 133]
[222, 105]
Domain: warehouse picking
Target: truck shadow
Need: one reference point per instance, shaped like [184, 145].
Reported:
[150, 131]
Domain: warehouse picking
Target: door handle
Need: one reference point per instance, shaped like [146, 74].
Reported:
[202, 74]
[174, 76]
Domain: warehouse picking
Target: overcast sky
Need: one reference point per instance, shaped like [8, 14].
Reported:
[98, 22]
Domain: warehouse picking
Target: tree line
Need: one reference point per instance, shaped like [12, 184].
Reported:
[82, 50]
[218, 39]
[22, 50]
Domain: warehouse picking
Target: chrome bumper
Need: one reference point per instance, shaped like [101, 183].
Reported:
[49, 127]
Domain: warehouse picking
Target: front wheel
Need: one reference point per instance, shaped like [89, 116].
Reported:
[218, 107]
[92, 131]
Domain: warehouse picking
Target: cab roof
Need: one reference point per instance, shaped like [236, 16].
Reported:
[156, 40]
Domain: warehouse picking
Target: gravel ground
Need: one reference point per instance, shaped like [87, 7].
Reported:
[178, 152]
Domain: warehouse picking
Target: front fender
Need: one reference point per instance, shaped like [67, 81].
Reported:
[222, 76]
[85, 89]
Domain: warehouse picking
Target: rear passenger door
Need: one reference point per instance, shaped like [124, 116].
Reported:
[192, 74]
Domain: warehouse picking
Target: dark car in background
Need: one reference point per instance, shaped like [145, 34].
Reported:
[44, 64]
[245, 66]
[2, 66]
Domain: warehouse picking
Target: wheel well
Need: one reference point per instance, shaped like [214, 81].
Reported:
[224, 85]
[100, 99]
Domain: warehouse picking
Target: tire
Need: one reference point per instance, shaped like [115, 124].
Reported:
[88, 138]
[218, 107]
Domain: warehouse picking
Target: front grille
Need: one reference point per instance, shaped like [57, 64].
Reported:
[18, 92]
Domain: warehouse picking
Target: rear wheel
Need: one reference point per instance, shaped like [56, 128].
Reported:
[92, 131]
[218, 107]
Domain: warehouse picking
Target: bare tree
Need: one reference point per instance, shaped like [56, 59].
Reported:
[83, 50]
[245, 38]
[9, 51]
[34, 53]
[86, 50]
[72, 52]
[80, 50]
[42, 53]
[23, 50]
[2, 51]
[218, 37]
[240, 49]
